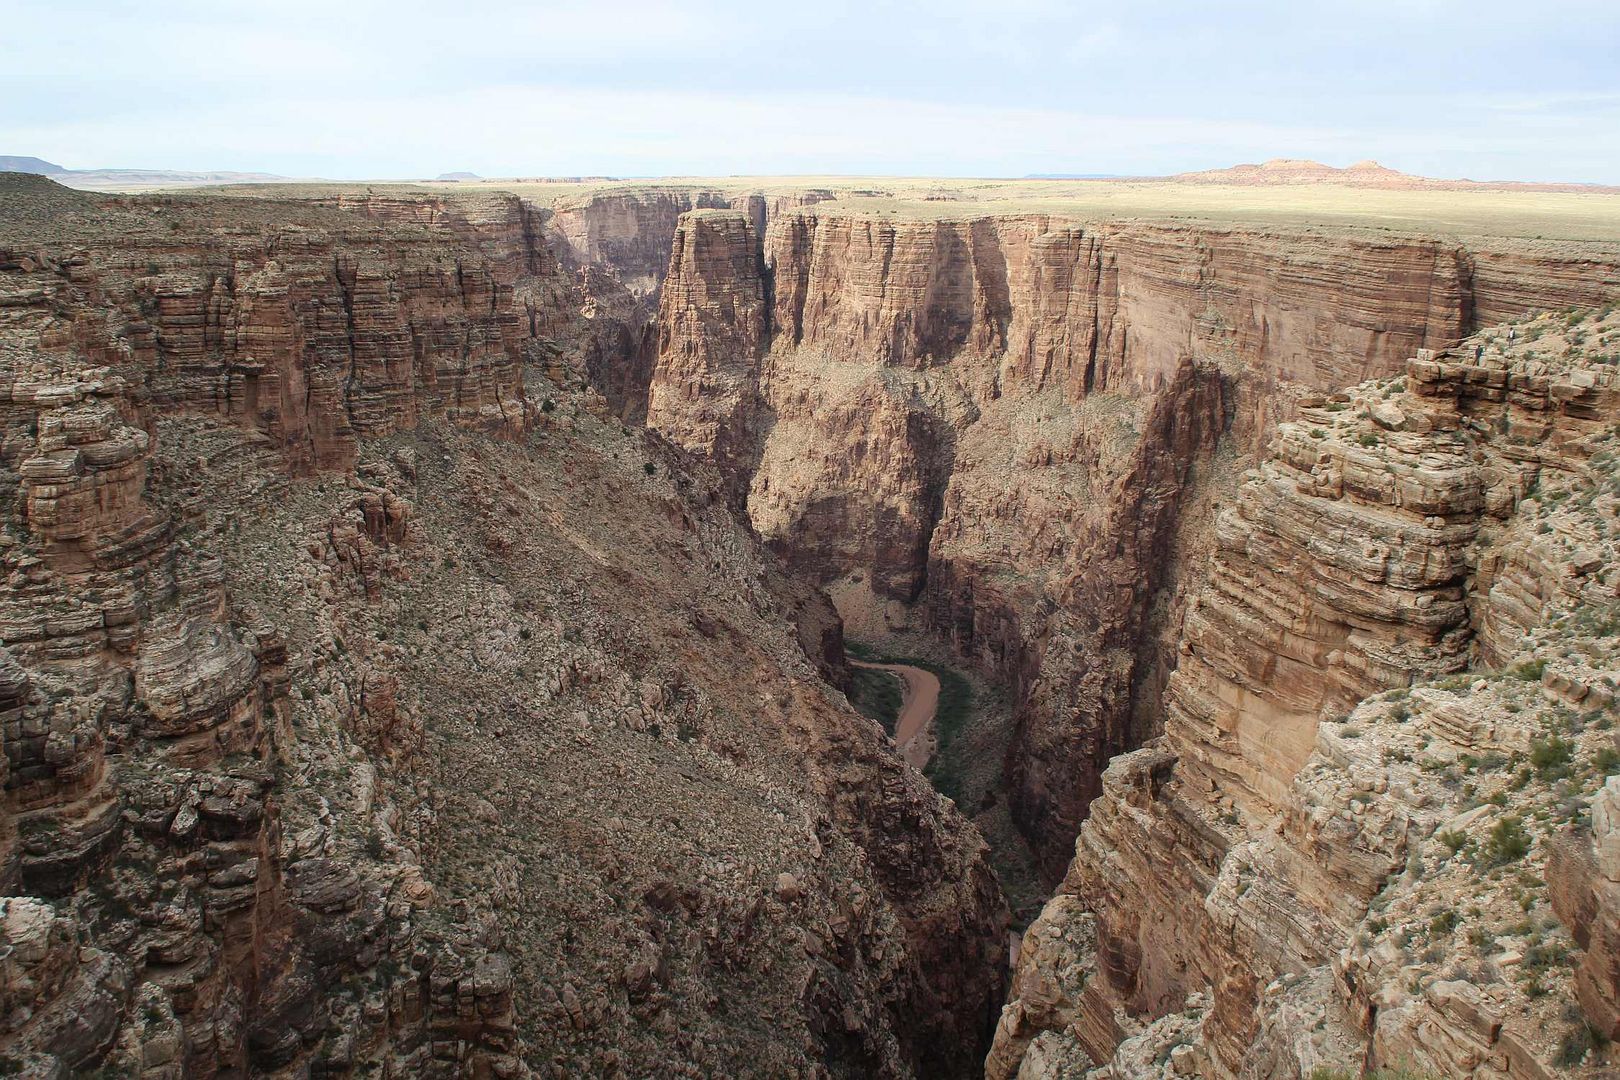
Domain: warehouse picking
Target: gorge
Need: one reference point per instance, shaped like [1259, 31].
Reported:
[422, 649]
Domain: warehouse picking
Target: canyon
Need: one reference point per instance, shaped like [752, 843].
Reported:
[423, 634]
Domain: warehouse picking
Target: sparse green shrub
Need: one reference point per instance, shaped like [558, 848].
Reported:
[1509, 842]
[1489, 761]
[1529, 671]
[1582, 1038]
[1549, 756]
[1453, 839]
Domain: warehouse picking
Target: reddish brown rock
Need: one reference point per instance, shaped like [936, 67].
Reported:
[362, 713]
[712, 329]
[1312, 838]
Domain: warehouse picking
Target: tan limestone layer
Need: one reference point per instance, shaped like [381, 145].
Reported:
[1299, 835]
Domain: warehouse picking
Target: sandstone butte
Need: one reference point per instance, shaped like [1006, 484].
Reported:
[421, 648]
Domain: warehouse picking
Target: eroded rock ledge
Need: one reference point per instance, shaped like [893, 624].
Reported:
[1374, 830]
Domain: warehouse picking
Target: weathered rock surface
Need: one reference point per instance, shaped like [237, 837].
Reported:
[712, 329]
[372, 701]
[1015, 423]
[617, 247]
[1371, 833]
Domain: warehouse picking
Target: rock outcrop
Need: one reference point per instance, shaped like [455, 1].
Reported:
[1379, 803]
[712, 328]
[617, 245]
[372, 700]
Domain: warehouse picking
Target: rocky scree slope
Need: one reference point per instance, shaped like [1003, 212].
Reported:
[371, 699]
[1013, 429]
[1378, 831]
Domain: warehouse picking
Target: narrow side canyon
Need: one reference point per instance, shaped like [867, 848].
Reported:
[1011, 430]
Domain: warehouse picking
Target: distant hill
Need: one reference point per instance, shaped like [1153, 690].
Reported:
[1370, 174]
[127, 179]
[37, 166]
[453, 176]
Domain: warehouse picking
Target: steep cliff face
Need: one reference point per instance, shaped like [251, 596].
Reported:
[163, 918]
[1015, 420]
[712, 327]
[616, 245]
[361, 711]
[1381, 782]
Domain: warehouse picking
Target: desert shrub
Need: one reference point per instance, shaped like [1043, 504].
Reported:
[1551, 755]
[1529, 671]
[1509, 842]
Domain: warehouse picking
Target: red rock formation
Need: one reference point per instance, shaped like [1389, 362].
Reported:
[617, 245]
[1296, 829]
[909, 355]
[712, 330]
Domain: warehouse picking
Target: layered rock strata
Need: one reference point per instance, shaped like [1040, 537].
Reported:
[712, 329]
[372, 701]
[617, 246]
[1372, 833]
[1016, 419]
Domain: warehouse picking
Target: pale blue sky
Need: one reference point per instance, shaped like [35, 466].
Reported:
[363, 88]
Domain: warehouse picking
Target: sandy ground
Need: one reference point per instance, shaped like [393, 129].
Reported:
[914, 733]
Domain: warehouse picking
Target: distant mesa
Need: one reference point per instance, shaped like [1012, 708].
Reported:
[1304, 171]
[453, 177]
[1368, 174]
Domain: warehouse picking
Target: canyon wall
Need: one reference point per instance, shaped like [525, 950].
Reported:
[712, 328]
[1367, 836]
[616, 245]
[373, 699]
[1022, 422]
